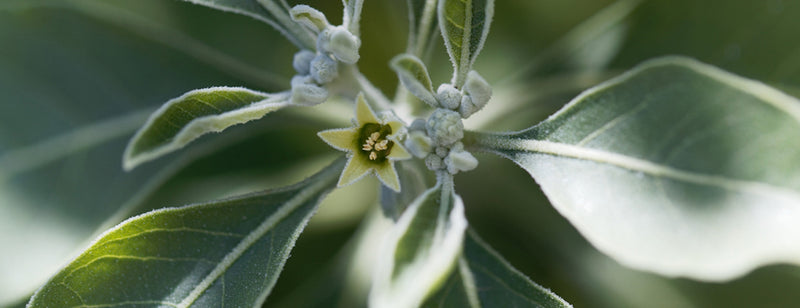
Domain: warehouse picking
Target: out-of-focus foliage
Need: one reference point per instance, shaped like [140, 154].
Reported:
[77, 78]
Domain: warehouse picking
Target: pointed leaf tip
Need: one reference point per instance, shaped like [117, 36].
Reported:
[196, 113]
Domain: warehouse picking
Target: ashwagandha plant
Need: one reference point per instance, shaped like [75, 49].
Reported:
[674, 167]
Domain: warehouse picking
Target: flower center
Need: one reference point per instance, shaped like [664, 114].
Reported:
[373, 141]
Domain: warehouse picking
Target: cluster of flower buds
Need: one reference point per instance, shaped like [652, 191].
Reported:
[315, 69]
[475, 93]
[438, 141]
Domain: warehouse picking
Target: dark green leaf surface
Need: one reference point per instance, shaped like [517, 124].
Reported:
[464, 25]
[194, 114]
[485, 279]
[73, 90]
[675, 167]
[273, 12]
[421, 249]
[225, 253]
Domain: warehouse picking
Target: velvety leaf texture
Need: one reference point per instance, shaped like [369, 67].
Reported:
[485, 279]
[464, 25]
[223, 253]
[675, 167]
[414, 75]
[421, 249]
[194, 114]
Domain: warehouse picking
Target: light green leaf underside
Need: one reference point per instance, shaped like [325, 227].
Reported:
[421, 249]
[194, 114]
[464, 25]
[275, 13]
[485, 279]
[224, 253]
[414, 76]
[422, 25]
[675, 167]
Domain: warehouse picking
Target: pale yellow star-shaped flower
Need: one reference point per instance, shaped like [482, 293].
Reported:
[371, 146]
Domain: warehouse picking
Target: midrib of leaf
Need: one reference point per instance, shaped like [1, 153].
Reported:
[495, 143]
[762, 92]
[466, 33]
[254, 236]
[468, 282]
[30, 157]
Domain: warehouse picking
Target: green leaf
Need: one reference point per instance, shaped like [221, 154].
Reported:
[464, 25]
[675, 167]
[269, 11]
[414, 76]
[421, 25]
[485, 279]
[352, 15]
[421, 249]
[73, 90]
[198, 112]
[414, 179]
[228, 252]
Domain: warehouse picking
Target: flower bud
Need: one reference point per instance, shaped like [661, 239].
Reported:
[302, 61]
[458, 161]
[344, 45]
[418, 144]
[445, 127]
[306, 93]
[434, 162]
[309, 17]
[324, 69]
[448, 96]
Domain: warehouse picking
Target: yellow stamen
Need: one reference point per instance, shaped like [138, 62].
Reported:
[373, 155]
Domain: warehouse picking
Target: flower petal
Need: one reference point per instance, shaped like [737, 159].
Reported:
[342, 139]
[355, 169]
[396, 126]
[398, 152]
[388, 175]
[364, 113]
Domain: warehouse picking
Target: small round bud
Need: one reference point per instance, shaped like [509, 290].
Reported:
[434, 162]
[441, 151]
[466, 108]
[458, 146]
[478, 89]
[448, 96]
[445, 127]
[324, 69]
[418, 124]
[323, 40]
[344, 45]
[418, 144]
[302, 61]
[306, 93]
[458, 161]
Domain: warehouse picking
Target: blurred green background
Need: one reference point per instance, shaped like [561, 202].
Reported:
[77, 78]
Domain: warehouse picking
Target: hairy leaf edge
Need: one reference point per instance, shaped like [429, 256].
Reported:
[195, 128]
